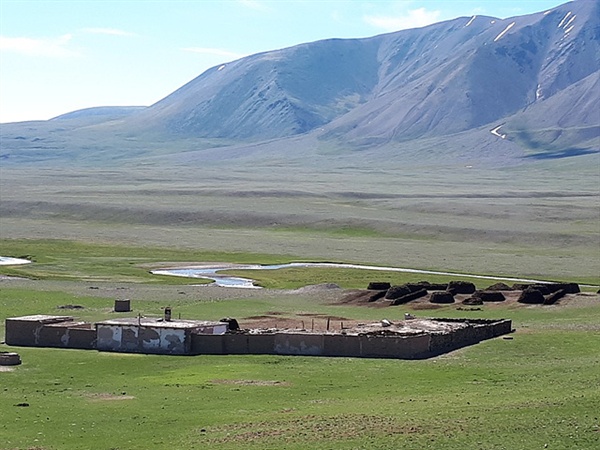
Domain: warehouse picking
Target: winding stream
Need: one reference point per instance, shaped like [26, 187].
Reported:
[9, 261]
[211, 272]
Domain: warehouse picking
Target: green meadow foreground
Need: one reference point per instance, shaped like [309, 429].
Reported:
[536, 388]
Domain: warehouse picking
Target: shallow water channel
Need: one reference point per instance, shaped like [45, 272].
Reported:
[211, 272]
[9, 261]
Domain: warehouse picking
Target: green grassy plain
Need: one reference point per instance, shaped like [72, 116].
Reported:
[94, 234]
[539, 388]
[72, 260]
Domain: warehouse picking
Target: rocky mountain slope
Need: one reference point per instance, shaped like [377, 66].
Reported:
[524, 86]
[442, 79]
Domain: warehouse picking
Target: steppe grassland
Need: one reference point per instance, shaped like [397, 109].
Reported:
[538, 388]
[508, 222]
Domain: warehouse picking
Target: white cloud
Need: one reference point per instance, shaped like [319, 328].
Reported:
[47, 47]
[108, 31]
[414, 18]
[214, 52]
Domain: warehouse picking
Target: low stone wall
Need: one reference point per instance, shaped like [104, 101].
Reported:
[311, 344]
[80, 337]
[63, 332]
[48, 331]
[402, 347]
[307, 344]
[142, 339]
[475, 331]
[416, 346]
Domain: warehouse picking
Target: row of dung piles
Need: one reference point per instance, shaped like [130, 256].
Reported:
[546, 293]
[441, 293]
[444, 293]
[479, 297]
[548, 288]
[399, 295]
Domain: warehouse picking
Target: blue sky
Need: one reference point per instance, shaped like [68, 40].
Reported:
[60, 56]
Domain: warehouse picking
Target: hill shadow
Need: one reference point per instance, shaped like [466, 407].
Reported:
[558, 154]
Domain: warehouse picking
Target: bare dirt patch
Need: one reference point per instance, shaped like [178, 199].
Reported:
[421, 306]
[334, 428]
[582, 299]
[301, 321]
[260, 318]
[105, 396]
[252, 382]
[321, 316]
[316, 288]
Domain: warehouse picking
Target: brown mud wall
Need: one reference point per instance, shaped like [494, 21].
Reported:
[361, 346]
[477, 331]
[61, 335]
[368, 345]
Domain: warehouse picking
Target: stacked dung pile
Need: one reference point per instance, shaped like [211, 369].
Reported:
[384, 293]
[479, 297]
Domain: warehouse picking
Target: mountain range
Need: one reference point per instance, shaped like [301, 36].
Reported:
[477, 89]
